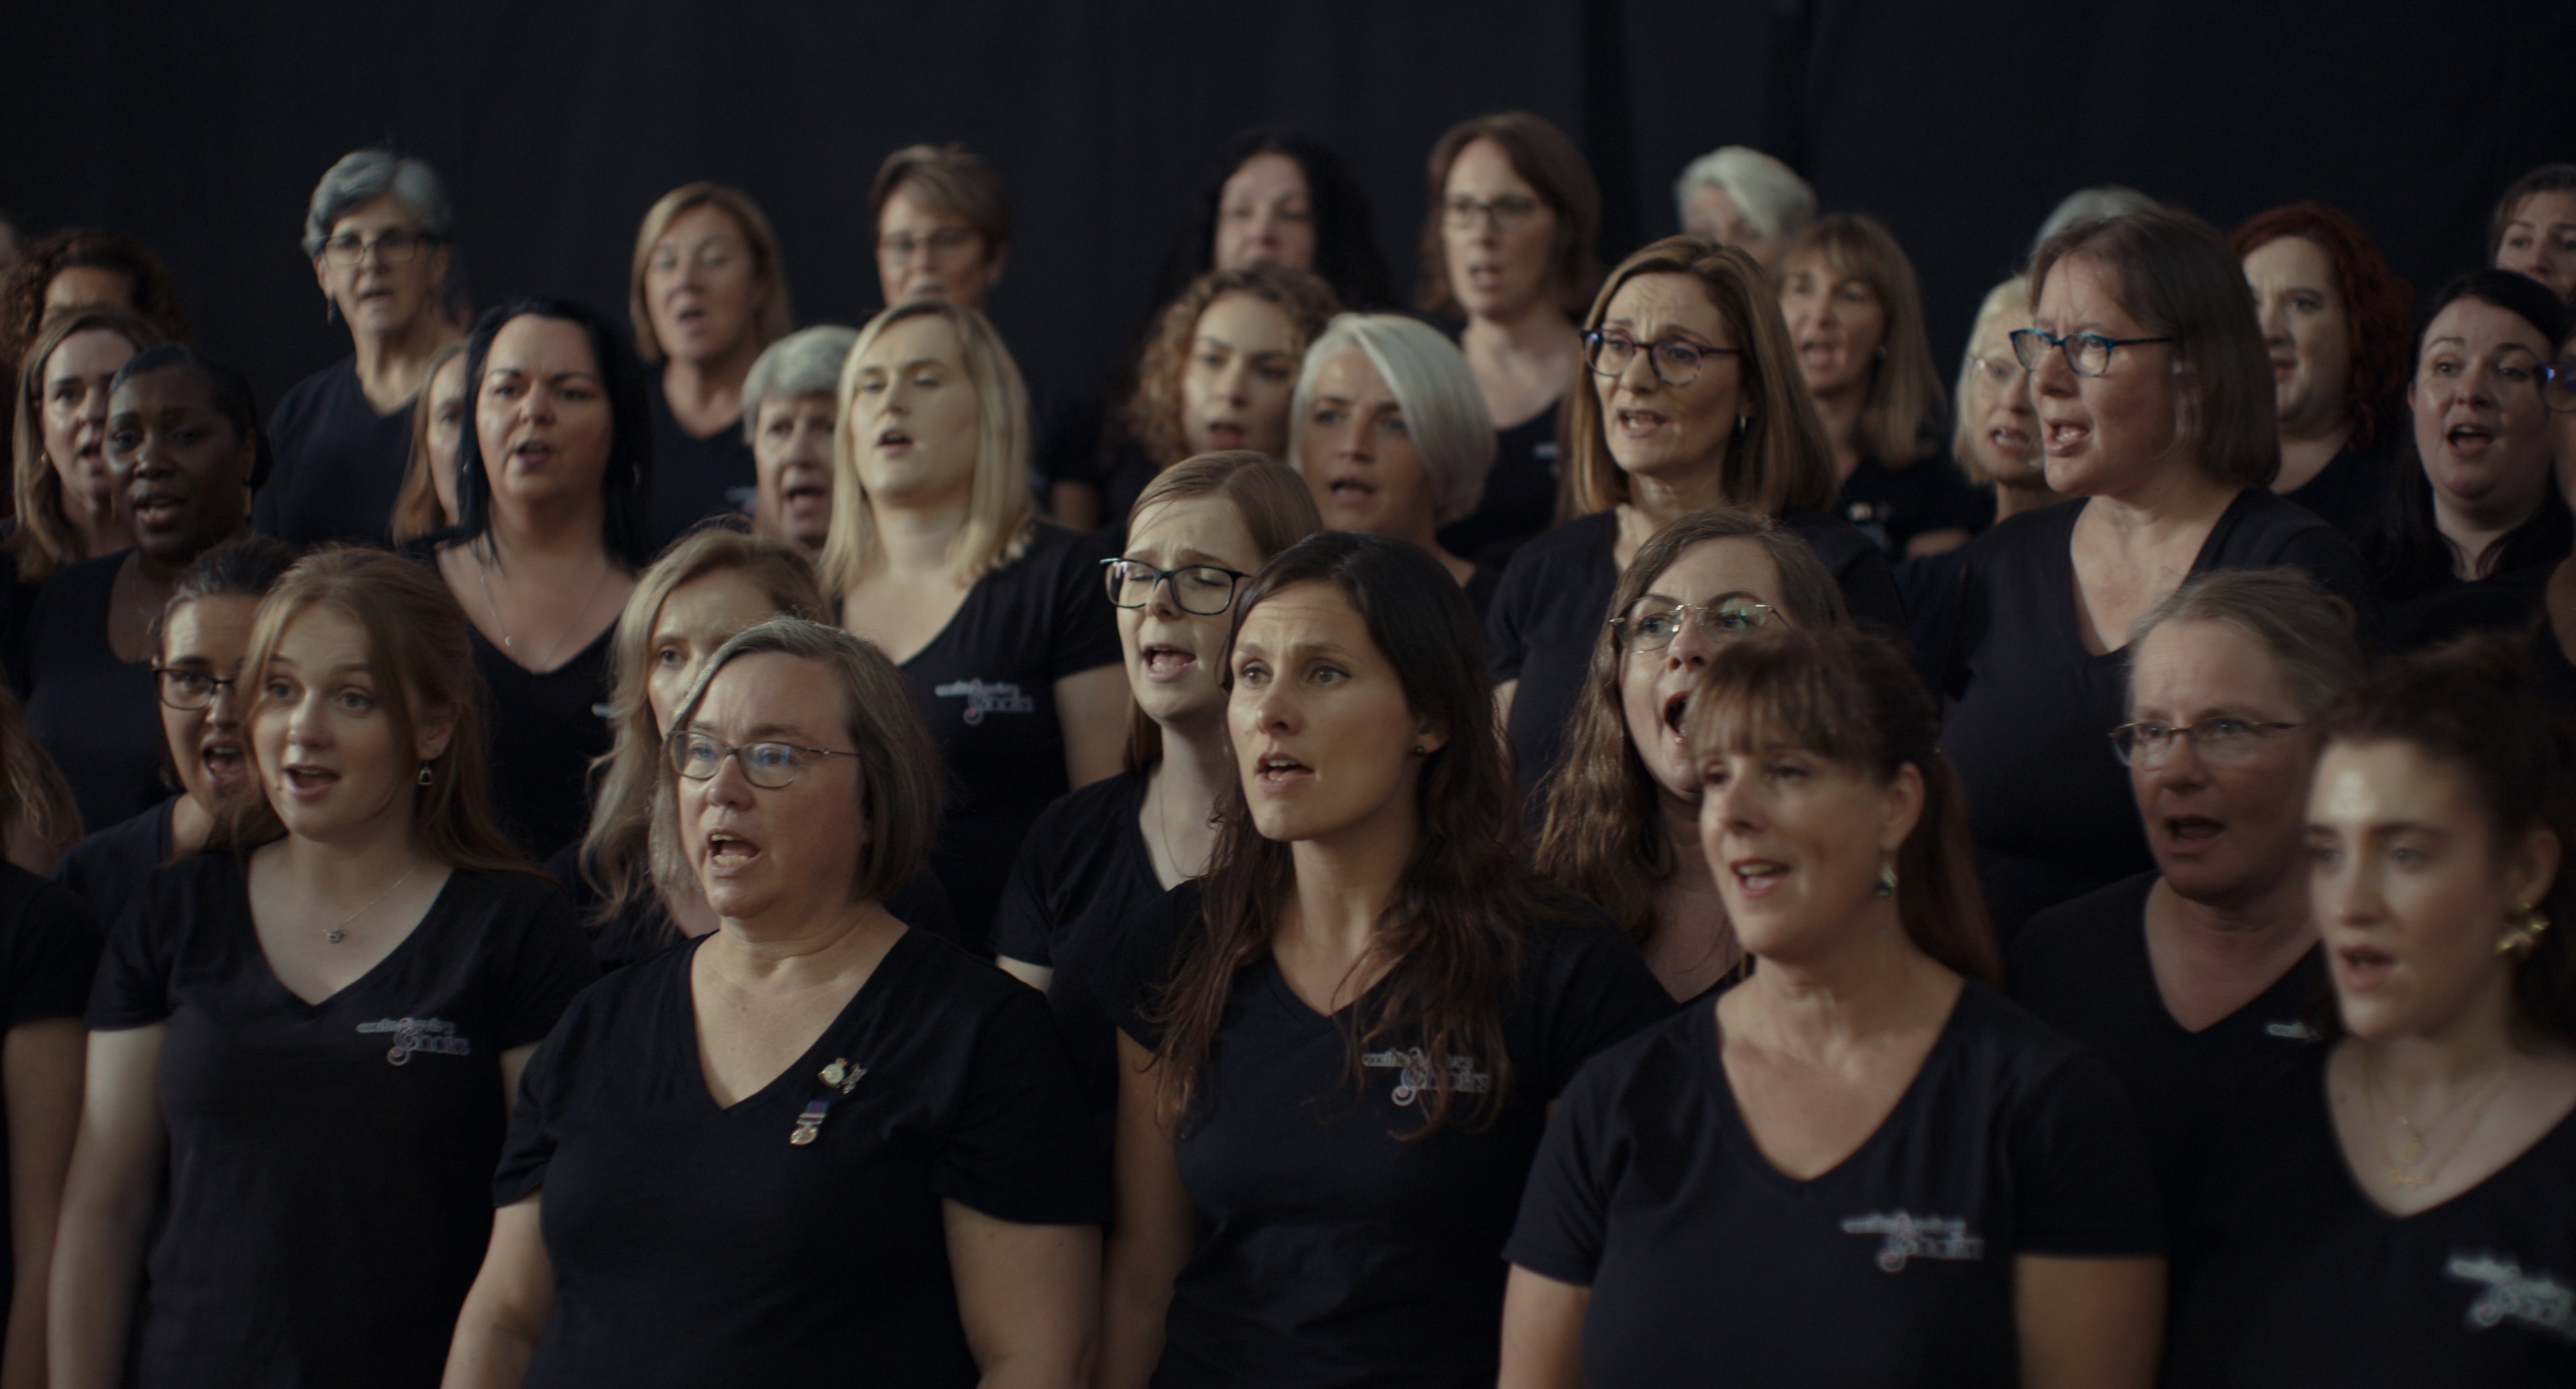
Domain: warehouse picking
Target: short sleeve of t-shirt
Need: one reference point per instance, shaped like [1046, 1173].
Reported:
[2089, 1190]
[1564, 1213]
[531, 1142]
[49, 955]
[549, 962]
[133, 985]
[1597, 990]
[1132, 978]
[1020, 1127]
[1083, 634]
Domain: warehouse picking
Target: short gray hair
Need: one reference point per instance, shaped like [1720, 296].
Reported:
[2092, 205]
[805, 362]
[1766, 191]
[2306, 630]
[1444, 412]
[361, 177]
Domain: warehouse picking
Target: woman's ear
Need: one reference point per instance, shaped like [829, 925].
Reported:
[1429, 737]
[432, 730]
[1900, 807]
[2534, 865]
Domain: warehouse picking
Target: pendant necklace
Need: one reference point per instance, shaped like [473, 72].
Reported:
[340, 932]
[2413, 1151]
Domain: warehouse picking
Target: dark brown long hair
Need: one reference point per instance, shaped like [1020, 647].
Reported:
[1453, 937]
[1853, 698]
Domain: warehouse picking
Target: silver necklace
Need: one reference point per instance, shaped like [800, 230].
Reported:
[340, 932]
[483, 573]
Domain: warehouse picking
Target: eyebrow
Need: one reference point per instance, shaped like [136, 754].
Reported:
[559, 376]
[906, 366]
[1731, 593]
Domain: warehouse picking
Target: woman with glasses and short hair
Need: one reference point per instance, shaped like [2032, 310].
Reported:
[378, 235]
[1622, 825]
[2156, 405]
[706, 292]
[1694, 402]
[859, 1149]
[2191, 979]
[943, 226]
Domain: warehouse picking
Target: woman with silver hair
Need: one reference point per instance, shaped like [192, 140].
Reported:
[1746, 199]
[1392, 436]
[789, 402]
[377, 232]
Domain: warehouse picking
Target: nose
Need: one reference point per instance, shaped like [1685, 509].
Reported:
[305, 725]
[1160, 600]
[729, 787]
[1691, 647]
[2275, 323]
[2054, 376]
[2182, 768]
[1268, 709]
[1231, 381]
[223, 710]
[1638, 376]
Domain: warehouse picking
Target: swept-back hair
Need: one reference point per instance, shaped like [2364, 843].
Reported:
[1604, 836]
[1444, 412]
[2306, 630]
[1853, 698]
[44, 540]
[1778, 462]
[246, 566]
[626, 486]
[1902, 414]
[1453, 937]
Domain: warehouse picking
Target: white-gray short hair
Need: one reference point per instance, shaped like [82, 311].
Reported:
[361, 177]
[2092, 205]
[1444, 412]
[1766, 191]
[805, 362]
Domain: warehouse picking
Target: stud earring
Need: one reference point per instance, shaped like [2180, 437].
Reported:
[1739, 424]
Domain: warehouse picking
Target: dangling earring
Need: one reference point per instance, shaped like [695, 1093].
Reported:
[2523, 927]
[1739, 426]
[424, 774]
[1887, 881]
[330, 309]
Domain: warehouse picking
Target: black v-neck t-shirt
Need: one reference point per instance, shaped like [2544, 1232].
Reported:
[695, 478]
[2293, 1276]
[2082, 968]
[49, 946]
[1331, 1250]
[1894, 1268]
[986, 687]
[108, 867]
[2049, 804]
[545, 729]
[1084, 883]
[1519, 500]
[1893, 505]
[339, 465]
[1556, 595]
[2351, 492]
[330, 1163]
[698, 1245]
[98, 717]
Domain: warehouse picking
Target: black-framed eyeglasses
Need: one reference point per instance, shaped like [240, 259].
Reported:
[1674, 362]
[943, 243]
[1651, 623]
[2218, 741]
[1204, 589]
[2088, 353]
[768, 766]
[1509, 211]
[392, 248]
[2558, 386]
[191, 690]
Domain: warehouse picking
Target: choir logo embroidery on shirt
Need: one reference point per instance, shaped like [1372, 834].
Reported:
[1413, 1073]
[2535, 1299]
[2290, 1031]
[412, 1036]
[987, 697]
[1904, 1237]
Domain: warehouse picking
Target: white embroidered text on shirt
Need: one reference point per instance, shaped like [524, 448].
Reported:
[1413, 1073]
[2535, 1299]
[987, 697]
[1907, 1236]
[436, 1036]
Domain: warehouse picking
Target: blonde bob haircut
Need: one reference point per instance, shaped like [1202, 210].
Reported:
[617, 849]
[899, 770]
[1901, 416]
[1444, 412]
[774, 318]
[998, 510]
[1777, 461]
[2007, 304]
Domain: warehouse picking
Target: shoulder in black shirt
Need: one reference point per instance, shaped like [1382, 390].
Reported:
[2351, 491]
[1519, 500]
[1893, 1268]
[545, 731]
[693, 1244]
[1892, 505]
[108, 868]
[695, 478]
[48, 953]
[98, 717]
[339, 464]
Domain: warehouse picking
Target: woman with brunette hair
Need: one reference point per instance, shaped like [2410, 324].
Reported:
[1622, 823]
[2533, 231]
[2399, 1206]
[1861, 1165]
[1855, 318]
[1694, 402]
[358, 959]
[62, 496]
[2147, 372]
[553, 469]
[1101, 858]
[427, 502]
[80, 269]
[2335, 319]
[706, 292]
[1327, 1110]
[1280, 196]
[1508, 244]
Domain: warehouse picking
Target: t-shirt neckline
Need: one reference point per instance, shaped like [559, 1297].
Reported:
[1707, 1043]
[312, 1007]
[806, 1061]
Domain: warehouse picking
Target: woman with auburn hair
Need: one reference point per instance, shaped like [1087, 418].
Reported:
[2147, 373]
[1102, 857]
[77, 269]
[1327, 1109]
[997, 619]
[1622, 823]
[1855, 317]
[2336, 319]
[361, 950]
[1694, 403]
[1864, 1130]
[707, 291]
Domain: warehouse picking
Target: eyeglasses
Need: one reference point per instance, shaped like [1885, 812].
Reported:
[1204, 589]
[768, 766]
[2220, 741]
[1674, 362]
[2088, 353]
[943, 243]
[2558, 386]
[192, 689]
[1652, 623]
[2000, 373]
[392, 248]
[1510, 211]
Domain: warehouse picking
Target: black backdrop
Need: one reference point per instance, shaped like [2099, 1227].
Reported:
[203, 127]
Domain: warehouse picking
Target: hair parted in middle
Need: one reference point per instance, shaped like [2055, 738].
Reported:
[416, 509]
[1902, 417]
[768, 264]
[1154, 415]
[43, 540]
[1548, 162]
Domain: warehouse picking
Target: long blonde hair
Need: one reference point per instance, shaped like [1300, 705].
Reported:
[998, 511]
